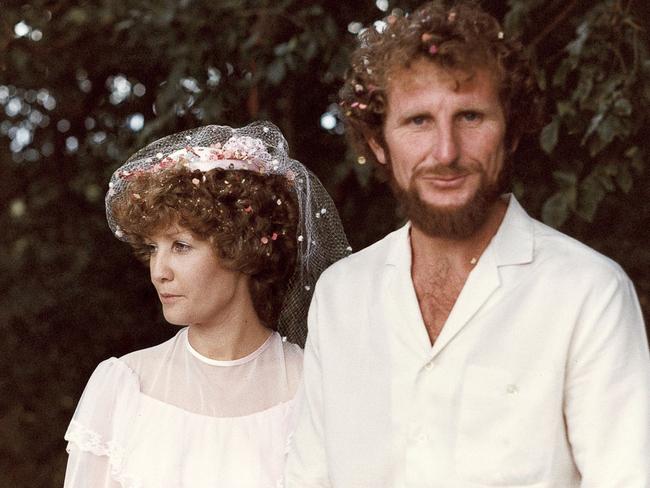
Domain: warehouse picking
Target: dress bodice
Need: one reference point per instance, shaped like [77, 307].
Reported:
[168, 417]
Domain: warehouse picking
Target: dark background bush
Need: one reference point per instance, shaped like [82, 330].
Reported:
[83, 84]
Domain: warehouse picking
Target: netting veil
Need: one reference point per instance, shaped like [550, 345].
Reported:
[262, 148]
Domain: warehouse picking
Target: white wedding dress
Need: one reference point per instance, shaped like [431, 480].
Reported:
[168, 417]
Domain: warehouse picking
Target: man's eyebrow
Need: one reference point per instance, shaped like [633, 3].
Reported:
[409, 114]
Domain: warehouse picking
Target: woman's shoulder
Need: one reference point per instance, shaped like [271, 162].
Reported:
[142, 360]
[114, 388]
[110, 374]
[292, 353]
[125, 372]
[106, 406]
[293, 358]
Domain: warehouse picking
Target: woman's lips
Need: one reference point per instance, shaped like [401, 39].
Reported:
[168, 298]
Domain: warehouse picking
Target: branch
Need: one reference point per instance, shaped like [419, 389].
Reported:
[559, 18]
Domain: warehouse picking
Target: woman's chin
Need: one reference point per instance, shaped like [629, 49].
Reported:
[174, 318]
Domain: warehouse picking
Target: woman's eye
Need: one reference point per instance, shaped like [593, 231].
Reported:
[149, 248]
[181, 246]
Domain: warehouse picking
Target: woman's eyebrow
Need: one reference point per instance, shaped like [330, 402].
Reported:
[176, 232]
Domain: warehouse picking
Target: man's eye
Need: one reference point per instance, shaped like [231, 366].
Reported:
[471, 116]
[418, 120]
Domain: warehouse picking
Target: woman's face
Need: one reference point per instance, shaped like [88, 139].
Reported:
[195, 288]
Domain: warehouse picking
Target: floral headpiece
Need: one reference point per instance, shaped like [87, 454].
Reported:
[237, 153]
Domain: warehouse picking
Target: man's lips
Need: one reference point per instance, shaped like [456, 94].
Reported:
[444, 181]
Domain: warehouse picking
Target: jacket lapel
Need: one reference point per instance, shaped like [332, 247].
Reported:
[479, 287]
[512, 244]
[396, 307]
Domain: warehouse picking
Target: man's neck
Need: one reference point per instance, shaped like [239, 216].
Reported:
[461, 254]
[441, 267]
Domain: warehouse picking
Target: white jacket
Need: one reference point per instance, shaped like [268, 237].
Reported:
[539, 378]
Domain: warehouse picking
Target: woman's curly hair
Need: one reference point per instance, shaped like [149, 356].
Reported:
[250, 218]
[460, 37]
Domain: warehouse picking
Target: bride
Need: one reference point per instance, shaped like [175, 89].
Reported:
[234, 233]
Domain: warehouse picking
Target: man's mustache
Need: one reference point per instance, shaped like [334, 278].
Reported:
[444, 170]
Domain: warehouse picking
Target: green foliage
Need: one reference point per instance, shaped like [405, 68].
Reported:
[84, 84]
[599, 99]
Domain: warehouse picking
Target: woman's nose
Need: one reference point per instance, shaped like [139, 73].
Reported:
[160, 268]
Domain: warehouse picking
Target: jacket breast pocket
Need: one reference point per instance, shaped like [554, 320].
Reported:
[505, 428]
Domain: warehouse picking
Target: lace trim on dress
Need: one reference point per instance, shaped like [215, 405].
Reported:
[90, 441]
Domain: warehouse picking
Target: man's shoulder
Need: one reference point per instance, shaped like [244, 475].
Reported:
[571, 257]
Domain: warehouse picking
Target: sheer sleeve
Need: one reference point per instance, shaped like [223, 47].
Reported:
[97, 435]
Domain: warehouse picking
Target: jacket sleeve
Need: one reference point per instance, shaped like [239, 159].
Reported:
[307, 460]
[607, 389]
[98, 433]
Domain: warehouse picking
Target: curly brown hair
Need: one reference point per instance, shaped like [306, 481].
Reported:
[250, 218]
[458, 37]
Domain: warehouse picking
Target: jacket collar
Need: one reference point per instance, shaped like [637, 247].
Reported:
[512, 244]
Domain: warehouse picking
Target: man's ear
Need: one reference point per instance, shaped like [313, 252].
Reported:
[512, 141]
[378, 150]
[514, 145]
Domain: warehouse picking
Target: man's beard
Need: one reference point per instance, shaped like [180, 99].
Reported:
[454, 223]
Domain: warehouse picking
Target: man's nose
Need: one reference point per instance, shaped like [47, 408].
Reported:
[160, 268]
[445, 150]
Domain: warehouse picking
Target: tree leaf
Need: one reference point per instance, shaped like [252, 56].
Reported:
[281, 49]
[565, 108]
[611, 84]
[623, 107]
[590, 196]
[518, 188]
[575, 47]
[593, 125]
[607, 182]
[514, 19]
[559, 78]
[77, 15]
[596, 144]
[556, 209]
[624, 178]
[635, 155]
[311, 49]
[611, 128]
[565, 178]
[276, 71]
[549, 135]
[585, 84]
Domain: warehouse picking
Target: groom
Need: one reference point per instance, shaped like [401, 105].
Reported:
[474, 346]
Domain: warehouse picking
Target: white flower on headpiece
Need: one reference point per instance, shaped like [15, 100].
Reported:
[239, 152]
[247, 147]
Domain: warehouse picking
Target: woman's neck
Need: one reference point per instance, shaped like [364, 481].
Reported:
[235, 333]
[227, 342]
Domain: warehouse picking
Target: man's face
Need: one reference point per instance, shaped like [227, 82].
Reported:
[444, 140]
